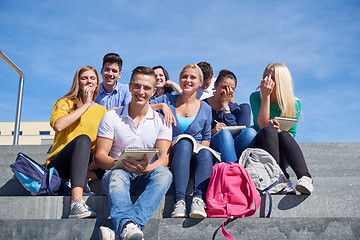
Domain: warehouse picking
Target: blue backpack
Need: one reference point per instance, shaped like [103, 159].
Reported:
[35, 178]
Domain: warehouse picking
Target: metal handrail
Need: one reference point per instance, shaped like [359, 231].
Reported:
[19, 98]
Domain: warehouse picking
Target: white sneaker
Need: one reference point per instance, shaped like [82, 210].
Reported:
[81, 210]
[131, 232]
[179, 209]
[198, 208]
[304, 185]
[288, 189]
[106, 233]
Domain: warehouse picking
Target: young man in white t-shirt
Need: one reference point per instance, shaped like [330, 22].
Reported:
[136, 125]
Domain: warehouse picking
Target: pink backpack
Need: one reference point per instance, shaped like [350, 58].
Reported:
[231, 194]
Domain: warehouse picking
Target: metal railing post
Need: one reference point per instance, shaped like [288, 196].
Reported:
[19, 98]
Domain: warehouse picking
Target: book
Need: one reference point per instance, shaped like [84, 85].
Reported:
[135, 153]
[286, 123]
[234, 130]
[196, 149]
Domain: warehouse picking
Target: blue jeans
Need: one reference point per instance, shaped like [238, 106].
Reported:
[119, 185]
[231, 148]
[180, 167]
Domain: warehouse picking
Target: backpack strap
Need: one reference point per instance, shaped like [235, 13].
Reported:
[270, 203]
[226, 234]
[266, 190]
[274, 183]
[48, 180]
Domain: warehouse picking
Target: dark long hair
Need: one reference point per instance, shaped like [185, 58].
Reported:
[166, 74]
[225, 74]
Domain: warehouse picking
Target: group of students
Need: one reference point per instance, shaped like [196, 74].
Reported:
[95, 121]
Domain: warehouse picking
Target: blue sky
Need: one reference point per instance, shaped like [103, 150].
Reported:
[317, 40]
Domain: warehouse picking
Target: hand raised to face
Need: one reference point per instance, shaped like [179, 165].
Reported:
[267, 84]
[88, 84]
[226, 89]
[228, 94]
[88, 93]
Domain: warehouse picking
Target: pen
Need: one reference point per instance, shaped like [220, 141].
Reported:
[258, 87]
[216, 121]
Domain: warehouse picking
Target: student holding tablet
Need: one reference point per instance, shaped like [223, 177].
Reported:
[276, 99]
[136, 125]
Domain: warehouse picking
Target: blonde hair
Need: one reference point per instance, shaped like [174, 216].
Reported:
[196, 67]
[75, 94]
[284, 89]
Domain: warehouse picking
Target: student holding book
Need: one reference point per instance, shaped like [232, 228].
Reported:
[193, 117]
[75, 119]
[276, 99]
[227, 113]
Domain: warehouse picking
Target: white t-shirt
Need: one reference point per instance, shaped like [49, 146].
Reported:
[118, 126]
[206, 93]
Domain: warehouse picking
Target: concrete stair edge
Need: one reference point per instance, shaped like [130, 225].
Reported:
[194, 229]
[331, 212]
[283, 206]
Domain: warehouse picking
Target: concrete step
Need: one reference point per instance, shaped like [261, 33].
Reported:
[334, 167]
[313, 152]
[322, 185]
[337, 183]
[334, 184]
[55, 207]
[247, 229]
[331, 212]
[332, 159]
[283, 206]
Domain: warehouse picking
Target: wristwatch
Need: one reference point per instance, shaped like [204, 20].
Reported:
[225, 109]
